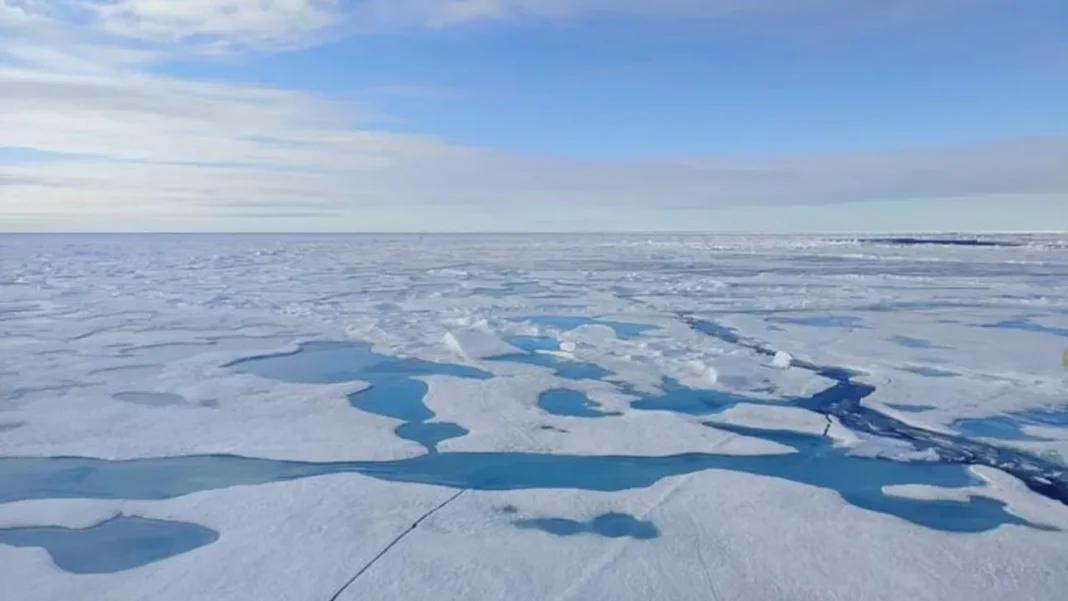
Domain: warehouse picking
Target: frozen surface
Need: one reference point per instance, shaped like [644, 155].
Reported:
[533, 417]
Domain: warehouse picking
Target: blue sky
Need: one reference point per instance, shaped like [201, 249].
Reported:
[527, 115]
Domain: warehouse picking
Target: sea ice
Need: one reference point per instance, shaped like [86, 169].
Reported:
[506, 417]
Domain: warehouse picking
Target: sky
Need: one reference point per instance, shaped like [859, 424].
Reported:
[778, 116]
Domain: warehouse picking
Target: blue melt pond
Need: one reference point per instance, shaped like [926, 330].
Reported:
[818, 463]
[829, 321]
[564, 368]
[609, 525]
[1000, 427]
[677, 398]
[400, 399]
[394, 391]
[121, 543]
[430, 435]
[859, 481]
[1010, 425]
[1057, 418]
[623, 330]
[571, 403]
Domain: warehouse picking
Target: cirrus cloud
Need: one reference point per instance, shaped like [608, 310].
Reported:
[225, 26]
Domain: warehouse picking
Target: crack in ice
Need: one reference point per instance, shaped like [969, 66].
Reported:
[393, 543]
[844, 399]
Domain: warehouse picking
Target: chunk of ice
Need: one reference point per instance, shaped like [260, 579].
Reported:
[473, 345]
[782, 359]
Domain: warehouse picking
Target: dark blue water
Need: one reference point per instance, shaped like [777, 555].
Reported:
[930, 372]
[677, 398]
[915, 343]
[844, 401]
[121, 543]
[1027, 326]
[394, 391]
[623, 330]
[571, 403]
[609, 525]
[827, 321]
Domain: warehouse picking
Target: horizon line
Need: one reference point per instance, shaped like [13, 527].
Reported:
[537, 233]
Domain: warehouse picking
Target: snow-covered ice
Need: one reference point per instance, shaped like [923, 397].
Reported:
[533, 417]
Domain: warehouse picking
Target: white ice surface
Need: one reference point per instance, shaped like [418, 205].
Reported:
[85, 321]
[723, 536]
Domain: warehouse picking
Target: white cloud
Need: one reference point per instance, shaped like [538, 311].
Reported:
[137, 116]
[128, 141]
[203, 26]
[226, 26]
[242, 22]
[115, 146]
[463, 11]
[439, 13]
[13, 14]
[145, 145]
